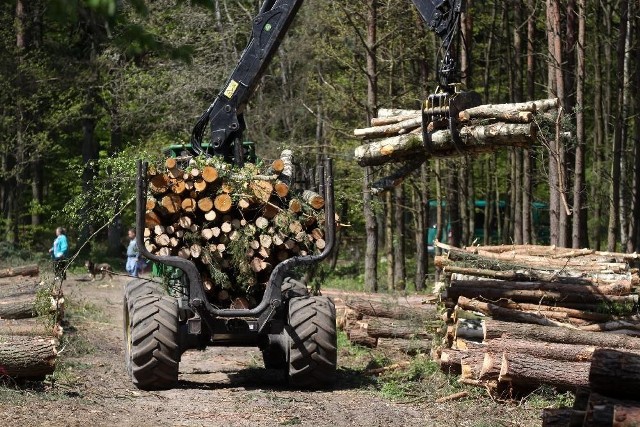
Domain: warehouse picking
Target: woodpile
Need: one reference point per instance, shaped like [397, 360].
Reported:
[611, 396]
[524, 316]
[396, 135]
[400, 324]
[30, 324]
[235, 224]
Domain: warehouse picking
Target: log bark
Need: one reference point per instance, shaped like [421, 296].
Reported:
[502, 313]
[544, 350]
[18, 307]
[615, 373]
[477, 139]
[389, 129]
[497, 111]
[391, 309]
[565, 312]
[358, 335]
[522, 370]
[604, 411]
[27, 357]
[564, 417]
[19, 287]
[380, 327]
[25, 270]
[539, 296]
[30, 327]
[617, 288]
[314, 199]
[499, 329]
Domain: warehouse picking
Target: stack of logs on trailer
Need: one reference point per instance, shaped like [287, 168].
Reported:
[235, 224]
[521, 317]
[30, 316]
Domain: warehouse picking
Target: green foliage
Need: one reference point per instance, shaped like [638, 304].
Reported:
[113, 189]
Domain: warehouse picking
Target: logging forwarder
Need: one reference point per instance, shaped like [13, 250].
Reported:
[296, 331]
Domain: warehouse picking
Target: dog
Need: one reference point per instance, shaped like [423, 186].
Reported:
[103, 269]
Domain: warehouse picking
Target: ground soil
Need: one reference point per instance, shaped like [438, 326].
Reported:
[218, 386]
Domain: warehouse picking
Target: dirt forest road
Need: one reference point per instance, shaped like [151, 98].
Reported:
[218, 386]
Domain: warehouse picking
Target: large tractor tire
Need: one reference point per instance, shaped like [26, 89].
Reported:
[312, 342]
[152, 350]
[274, 356]
[140, 287]
[292, 288]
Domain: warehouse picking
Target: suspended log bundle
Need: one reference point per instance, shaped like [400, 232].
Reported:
[542, 316]
[30, 315]
[235, 224]
[398, 137]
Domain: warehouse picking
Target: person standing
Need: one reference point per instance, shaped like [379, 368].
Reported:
[59, 252]
[133, 254]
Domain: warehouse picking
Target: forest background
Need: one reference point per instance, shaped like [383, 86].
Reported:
[87, 87]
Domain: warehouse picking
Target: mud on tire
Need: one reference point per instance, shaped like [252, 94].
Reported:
[312, 342]
[151, 341]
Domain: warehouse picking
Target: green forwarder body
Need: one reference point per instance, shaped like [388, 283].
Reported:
[295, 331]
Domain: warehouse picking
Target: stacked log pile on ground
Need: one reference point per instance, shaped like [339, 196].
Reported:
[611, 398]
[30, 316]
[407, 325]
[235, 224]
[524, 316]
[397, 134]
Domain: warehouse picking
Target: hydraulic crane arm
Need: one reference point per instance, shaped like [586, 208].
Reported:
[224, 117]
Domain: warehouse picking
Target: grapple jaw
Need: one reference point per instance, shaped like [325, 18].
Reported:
[440, 111]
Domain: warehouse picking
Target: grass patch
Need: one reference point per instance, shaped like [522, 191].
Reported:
[76, 345]
[76, 312]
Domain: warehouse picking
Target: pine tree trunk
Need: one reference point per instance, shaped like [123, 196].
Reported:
[371, 227]
[388, 241]
[616, 155]
[399, 273]
[579, 231]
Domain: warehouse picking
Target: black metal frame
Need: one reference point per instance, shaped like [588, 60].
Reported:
[272, 298]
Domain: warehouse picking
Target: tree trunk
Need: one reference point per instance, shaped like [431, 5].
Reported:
[30, 327]
[27, 357]
[547, 350]
[522, 370]
[604, 411]
[392, 310]
[18, 287]
[564, 417]
[18, 307]
[380, 327]
[371, 228]
[388, 240]
[615, 373]
[497, 329]
[371, 253]
[616, 159]
[25, 270]
[421, 205]
[358, 335]
[399, 272]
